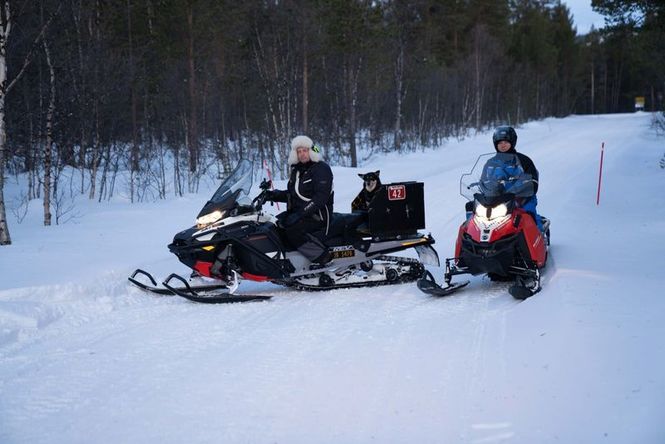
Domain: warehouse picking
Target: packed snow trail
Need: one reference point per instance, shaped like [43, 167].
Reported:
[84, 357]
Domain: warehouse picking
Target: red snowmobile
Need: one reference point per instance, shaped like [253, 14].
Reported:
[498, 238]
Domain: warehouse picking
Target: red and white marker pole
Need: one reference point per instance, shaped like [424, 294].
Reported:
[600, 172]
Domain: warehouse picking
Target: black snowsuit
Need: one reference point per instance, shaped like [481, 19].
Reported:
[309, 199]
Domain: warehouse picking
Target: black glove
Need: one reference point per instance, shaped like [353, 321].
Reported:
[269, 195]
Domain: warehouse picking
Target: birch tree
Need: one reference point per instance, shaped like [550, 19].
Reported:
[5, 87]
[48, 146]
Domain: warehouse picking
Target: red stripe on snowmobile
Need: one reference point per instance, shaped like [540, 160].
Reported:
[254, 277]
[203, 268]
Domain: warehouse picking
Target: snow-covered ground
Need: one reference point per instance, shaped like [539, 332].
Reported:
[85, 357]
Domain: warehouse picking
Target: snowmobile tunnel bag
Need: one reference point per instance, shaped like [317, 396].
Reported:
[398, 208]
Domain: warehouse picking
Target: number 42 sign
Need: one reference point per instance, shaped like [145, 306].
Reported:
[396, 192]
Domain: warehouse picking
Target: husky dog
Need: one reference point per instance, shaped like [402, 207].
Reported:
[371, 184]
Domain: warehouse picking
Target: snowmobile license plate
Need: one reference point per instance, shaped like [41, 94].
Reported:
[342, 252]
[396, 192]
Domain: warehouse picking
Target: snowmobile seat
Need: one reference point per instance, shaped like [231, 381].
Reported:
[343, 227]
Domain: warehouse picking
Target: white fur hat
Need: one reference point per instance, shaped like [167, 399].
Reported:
[303, 141]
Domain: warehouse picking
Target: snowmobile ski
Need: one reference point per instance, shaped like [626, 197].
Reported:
[154, 288]
[428, 285]
[525, 287]
[212, 297]
[207, 294]
[520, 292]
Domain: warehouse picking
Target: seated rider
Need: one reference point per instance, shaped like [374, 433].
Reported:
[309, 199]
[513, 171]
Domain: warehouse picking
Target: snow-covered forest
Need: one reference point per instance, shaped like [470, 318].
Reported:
[174, 90]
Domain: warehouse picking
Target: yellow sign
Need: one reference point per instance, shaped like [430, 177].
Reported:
[639, 103]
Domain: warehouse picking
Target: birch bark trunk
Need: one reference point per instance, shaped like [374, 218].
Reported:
[5, 238]
[48, 147]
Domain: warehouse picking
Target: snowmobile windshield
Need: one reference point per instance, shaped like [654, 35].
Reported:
[237, 185]
[496, 174]
[234, 190]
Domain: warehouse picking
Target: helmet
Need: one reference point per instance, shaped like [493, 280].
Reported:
[506, 133]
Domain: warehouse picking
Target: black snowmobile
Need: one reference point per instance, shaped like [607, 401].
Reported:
[233, 239]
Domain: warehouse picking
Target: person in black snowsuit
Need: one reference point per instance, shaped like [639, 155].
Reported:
[309, 199]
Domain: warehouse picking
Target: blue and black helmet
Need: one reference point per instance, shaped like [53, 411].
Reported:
[506, 133]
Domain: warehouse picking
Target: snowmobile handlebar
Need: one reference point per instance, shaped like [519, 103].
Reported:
[263, 196]
[259, 200]
[265, 184]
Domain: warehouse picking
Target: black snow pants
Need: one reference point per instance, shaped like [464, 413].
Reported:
[305, 235]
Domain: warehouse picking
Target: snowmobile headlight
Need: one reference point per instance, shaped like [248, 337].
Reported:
[481, 211]
[209, 218]
[491, 213]
[499, 211]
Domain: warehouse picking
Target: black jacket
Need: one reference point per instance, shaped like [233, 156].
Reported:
[310, 191]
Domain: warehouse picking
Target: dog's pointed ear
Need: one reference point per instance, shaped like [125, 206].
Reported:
[361, 176]
[378, 172]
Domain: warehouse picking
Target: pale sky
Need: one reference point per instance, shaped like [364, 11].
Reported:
[583, 15]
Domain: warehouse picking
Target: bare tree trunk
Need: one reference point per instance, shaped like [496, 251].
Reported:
[176, 172]
[422, 115]
[134, 156]
[116, 166]
[31, 160]
[399, 96]
[48, 147]
[305, 85]
[479, 87]
[5, 238]
[76, 15]
[538, 100]
[616, 86]
[603, 106]
[106, 156]
[352, 73]
[593, 89]
[96, 155]
[192, 134]
[151, 16]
